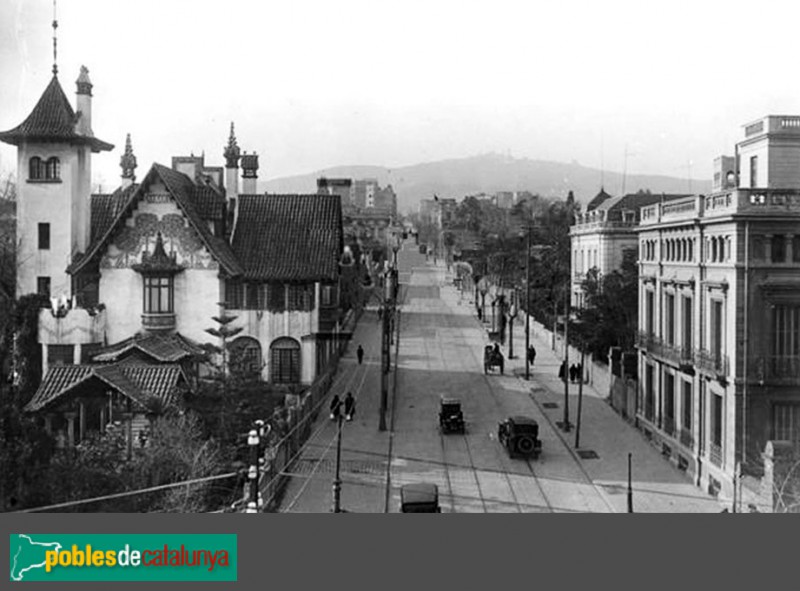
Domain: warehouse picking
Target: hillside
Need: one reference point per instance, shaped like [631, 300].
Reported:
[489, 173]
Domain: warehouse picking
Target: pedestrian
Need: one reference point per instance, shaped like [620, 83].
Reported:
[579, 373]
[360, 354]
[562, 372]
[480, 314]
[336, 406]
[496, 349]
[349, 406]
[531, 355]
[573, 373]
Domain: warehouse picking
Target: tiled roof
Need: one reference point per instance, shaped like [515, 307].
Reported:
[106, 207]
[52, 119]
[137, 382]
[59, 378]
[168, 348]
[597, 200]
[289, 237]
[636, 200]
[182, 190]
[210, 204]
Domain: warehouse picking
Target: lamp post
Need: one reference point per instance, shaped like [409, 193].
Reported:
[528, 305]
[337, 481]
[385, 352]
[253, 442]
[566, 425]
[630, 487]
[483, 291]
[512, 313]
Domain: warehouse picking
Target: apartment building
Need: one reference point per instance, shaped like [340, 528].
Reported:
[719, 312]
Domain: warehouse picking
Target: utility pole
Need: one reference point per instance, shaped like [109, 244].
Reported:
[566, 362]
[337, 481]
[528, 305]
[630, 488]
[580, 398]
[386, 340]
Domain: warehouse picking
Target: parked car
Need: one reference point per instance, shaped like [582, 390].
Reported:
[419, 497]
[451, 418]
[520, 436]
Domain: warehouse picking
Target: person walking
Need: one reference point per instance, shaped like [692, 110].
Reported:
[573, 373]
[531, 355]
[336, 407]
[360, 354]
[579, 373]
[562, 371]
[349, 406]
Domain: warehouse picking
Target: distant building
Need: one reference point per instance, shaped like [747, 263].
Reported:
[719, 313]
[504, 199]
[342, 187]
[605, 234]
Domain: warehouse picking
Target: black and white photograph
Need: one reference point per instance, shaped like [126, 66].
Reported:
[399, 257]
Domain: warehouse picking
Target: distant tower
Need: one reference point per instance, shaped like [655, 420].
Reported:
[128, 164]
[231, 154]
[249, 173]
[54, 154]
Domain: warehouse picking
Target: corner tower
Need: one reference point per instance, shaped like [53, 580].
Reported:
[54, 172]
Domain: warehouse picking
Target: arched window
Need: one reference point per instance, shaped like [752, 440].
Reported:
[245, 357]
[285, 361]
[53, 170]
[35, 169]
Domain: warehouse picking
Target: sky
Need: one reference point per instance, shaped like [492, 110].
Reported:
[313, 84]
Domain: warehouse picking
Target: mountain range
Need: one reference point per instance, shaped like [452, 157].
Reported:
[490, 173]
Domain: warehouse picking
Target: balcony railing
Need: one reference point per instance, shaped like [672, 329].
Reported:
[680, 356]
[158, 321]
[708, 362]
[686, 438]
[715, 454]
[775, 368]
[669, 426]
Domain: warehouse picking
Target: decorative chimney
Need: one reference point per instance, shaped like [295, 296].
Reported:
[84, 104]
[231, 154]
[249, 173]
[128, 164]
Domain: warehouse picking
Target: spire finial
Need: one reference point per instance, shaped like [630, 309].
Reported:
[231, 152]
[55, 40]
[128, 161]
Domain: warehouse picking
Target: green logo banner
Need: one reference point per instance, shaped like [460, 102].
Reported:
[123, 557]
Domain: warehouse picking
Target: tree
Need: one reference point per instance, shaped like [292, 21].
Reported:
[610, 315]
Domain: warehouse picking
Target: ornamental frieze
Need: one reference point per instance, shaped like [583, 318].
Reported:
[128, 245]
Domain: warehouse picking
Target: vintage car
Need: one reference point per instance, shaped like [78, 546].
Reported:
[520, 436]
[451, 418]
[492, 359]
[420, 497]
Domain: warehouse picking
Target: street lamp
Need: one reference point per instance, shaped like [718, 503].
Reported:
[512, 313]
[337, 481]
[253, 441]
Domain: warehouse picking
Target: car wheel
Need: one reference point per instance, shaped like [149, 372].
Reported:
[525, 445]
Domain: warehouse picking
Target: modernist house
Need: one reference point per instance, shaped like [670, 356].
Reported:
[136, 276]
[719, 312]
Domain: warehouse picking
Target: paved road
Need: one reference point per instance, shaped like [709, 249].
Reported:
[440, 354]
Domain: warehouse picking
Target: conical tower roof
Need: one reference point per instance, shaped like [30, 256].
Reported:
[53, 120]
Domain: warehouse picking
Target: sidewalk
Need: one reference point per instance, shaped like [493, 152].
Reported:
[658, 486]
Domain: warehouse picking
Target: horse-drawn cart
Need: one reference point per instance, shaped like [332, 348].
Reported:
[492, 358]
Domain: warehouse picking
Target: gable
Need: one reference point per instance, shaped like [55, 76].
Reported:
[160, 185]
[156, 212]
